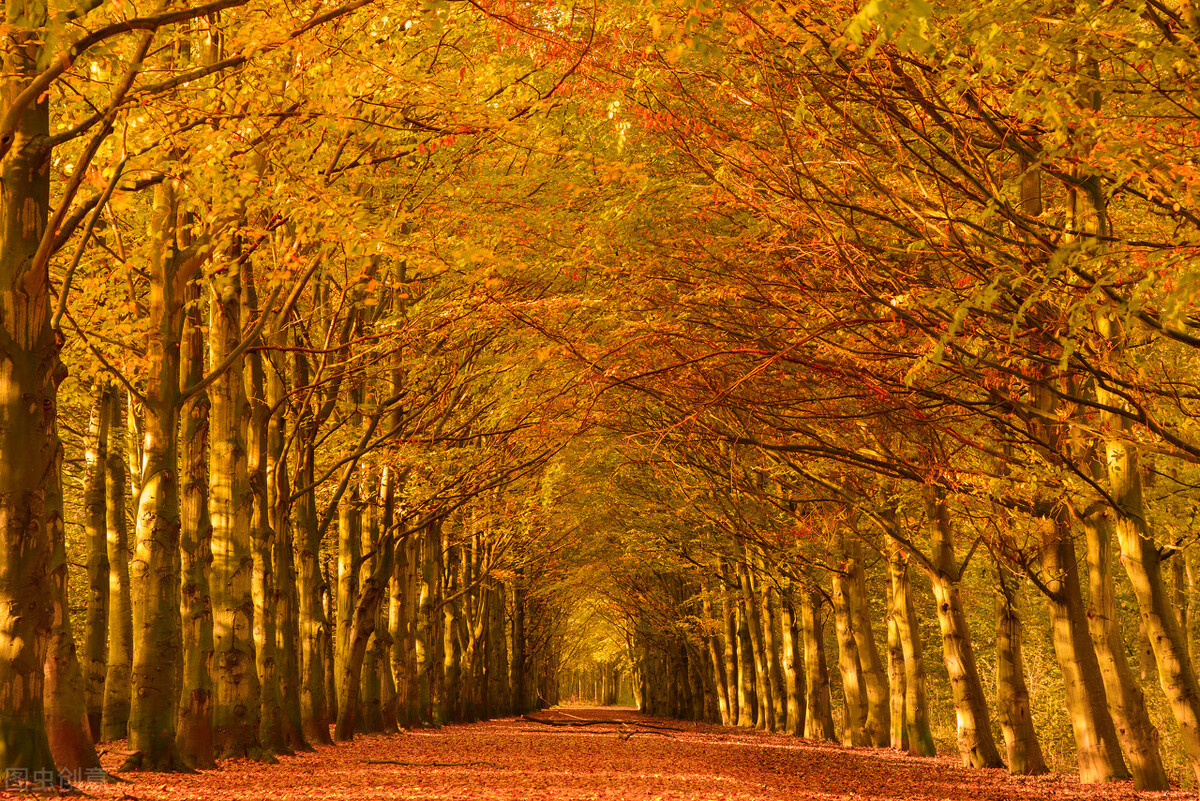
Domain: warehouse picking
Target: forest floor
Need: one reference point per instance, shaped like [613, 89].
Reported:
[517, 758]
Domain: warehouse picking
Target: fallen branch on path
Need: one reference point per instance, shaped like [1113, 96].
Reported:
[625, 735]
[599, 722]
[429, 764]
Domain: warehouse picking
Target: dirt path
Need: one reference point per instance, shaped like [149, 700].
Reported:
[520, 759]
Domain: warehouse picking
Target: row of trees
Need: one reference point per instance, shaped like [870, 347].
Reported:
[883, 309]
[304, 448]
[927, 322]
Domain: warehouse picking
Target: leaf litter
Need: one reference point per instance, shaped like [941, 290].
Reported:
[607, 753]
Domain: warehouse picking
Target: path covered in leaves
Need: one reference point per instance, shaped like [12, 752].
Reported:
[639, 759]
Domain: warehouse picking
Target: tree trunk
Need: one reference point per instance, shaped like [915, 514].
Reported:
[793, 667]
[285, 598]
[313, 622]
[975, 743]
[362, 627]
[1012, 694]
[370, 713]
[1096, 745]
[1140, 556]
[753, 616]
[730, 656]
[898, 734]
[715, 651]
[874, 678]
[769, 596]
[29, 376]
[1126, 702]
[115, 723]
[238, 703]
[349, 559]
[854, 702]
[271, 735]
[401, 619]
[95, 525]
[423, 631]
[155, 570]
[194, 734]
[747, 694]
[818, 717]
[65, 689]
[916, 699]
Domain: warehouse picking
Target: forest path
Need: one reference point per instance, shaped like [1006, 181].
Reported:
[515, 758]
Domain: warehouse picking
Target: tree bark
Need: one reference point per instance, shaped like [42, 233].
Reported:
[1012, 694]
[793, 667]
[1096, 746]
[854, 702]
[916, 699]
[95, 525]
[65, 689]
[238, 702]
[271, 736]
[194, 732]
[115, 722]
[873, 675]
[754, 622]
[155, 569]
[818, 717]
[1126, 702]
[976, 745]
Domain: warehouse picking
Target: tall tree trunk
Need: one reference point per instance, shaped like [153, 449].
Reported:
[500, 691]
[1126, 702]
[1012, 694]
[754, 620]
[349, 560]
[401, 620]
[115, 723]
[715, 650]
[854, 701]
[747, 694]
[818, 717]
[65, 689]
[769, 597]
[29, 376]
[793, 667]
[155, 570]
[314, 624]
[194, 733]
[362, 627]
[976, 745]
[873, 675]
[1096, 745]
[424, 630]
[1142, 561]
[285, 599]
[95, 525]
[916, 703]
[898, 733]
[238, 704]
[451, 617]
[916, 699]
[389, 699]
[271, 735]
[371, 715]
[730, 656]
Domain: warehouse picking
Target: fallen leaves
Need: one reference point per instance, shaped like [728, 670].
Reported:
[570, 755]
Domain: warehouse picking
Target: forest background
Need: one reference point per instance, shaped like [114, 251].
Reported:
[394, 363]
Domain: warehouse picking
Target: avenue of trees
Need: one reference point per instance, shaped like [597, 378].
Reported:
[825, 368]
